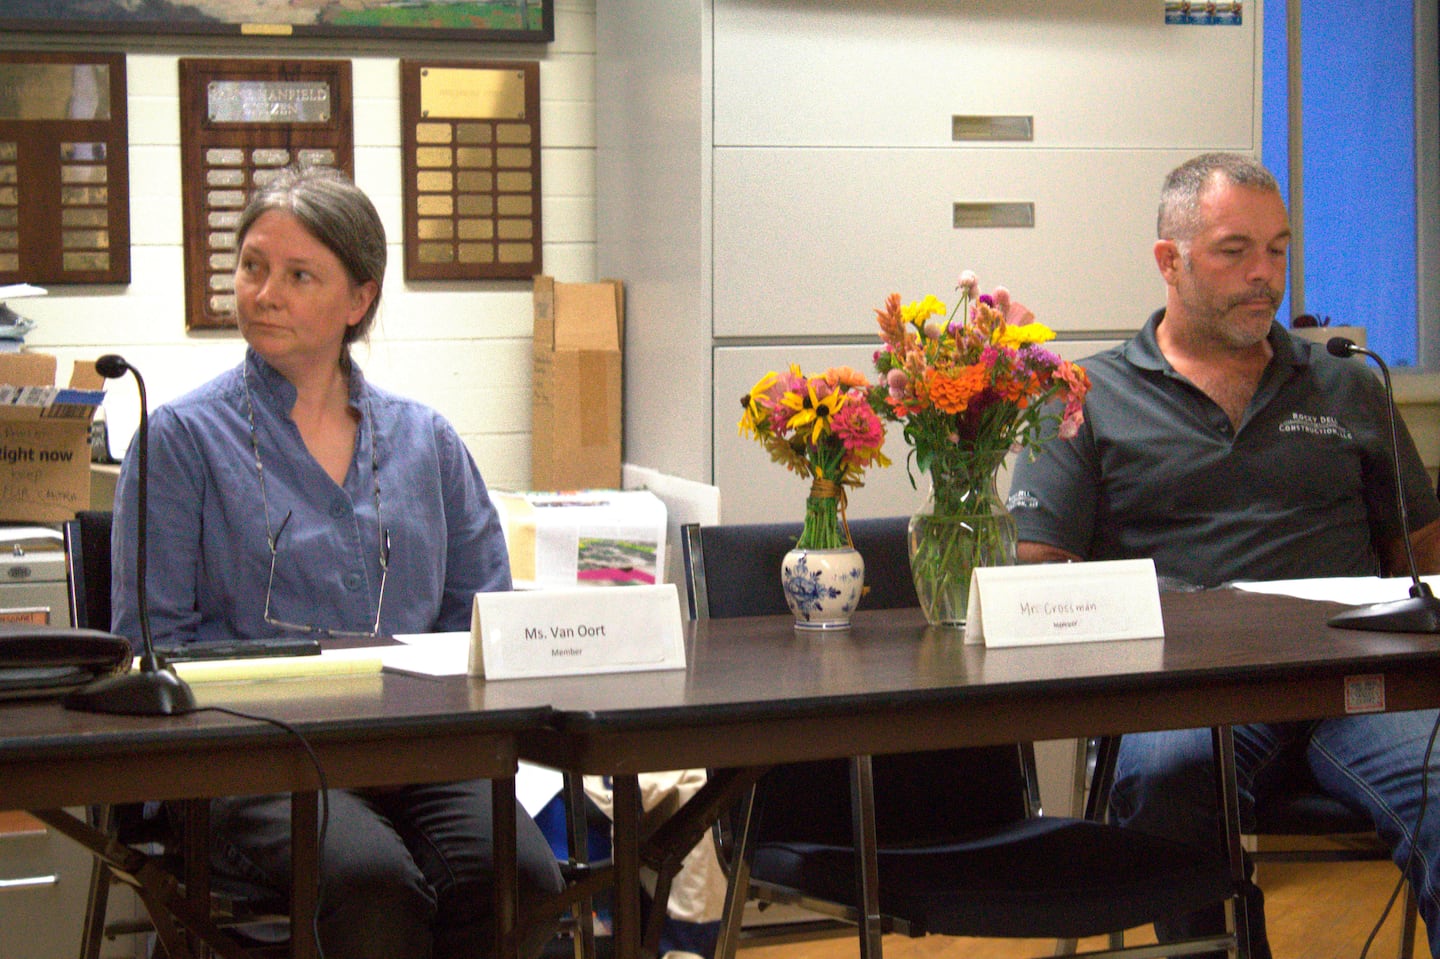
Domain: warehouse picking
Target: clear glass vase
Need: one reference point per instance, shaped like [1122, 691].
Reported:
[963, 525]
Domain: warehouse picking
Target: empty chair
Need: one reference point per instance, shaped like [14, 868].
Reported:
[946, 842]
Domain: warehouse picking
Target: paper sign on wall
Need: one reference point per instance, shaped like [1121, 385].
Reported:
[572, 631]
[1064, 603]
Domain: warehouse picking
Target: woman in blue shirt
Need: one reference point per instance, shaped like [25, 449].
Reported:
[289, 495]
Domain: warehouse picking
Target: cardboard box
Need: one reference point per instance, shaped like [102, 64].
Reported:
[584, 538]
[45, 438]
[576, 399]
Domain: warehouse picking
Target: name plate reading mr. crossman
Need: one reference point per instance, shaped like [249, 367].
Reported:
[566, 632]
[1064, 603]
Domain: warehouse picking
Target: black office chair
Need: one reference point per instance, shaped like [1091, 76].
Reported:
[230, 921]
[1298, 811]
[949, 842]
[1294, 822]
[747, 559]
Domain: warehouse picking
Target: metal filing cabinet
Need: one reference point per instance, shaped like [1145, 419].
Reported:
[32, 575]
[44, 876]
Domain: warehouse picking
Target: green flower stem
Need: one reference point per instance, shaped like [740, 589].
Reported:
[822, 524]
[965, 526]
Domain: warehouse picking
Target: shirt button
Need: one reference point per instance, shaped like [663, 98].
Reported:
[338, 509]
[352, 581]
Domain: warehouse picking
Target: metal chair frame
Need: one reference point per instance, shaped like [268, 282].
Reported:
[174, 883]
[738, 854]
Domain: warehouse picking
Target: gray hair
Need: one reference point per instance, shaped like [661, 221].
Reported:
[337, 213]
[1179, 217]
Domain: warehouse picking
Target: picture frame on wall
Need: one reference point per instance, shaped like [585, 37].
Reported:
[472, 20]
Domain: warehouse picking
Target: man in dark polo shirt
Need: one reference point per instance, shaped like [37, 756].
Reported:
[1224, 449]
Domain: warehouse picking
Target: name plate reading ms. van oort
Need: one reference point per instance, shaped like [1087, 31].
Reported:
[574, 631]
[1064, 603]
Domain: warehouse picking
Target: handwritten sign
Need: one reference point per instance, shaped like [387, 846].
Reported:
[574, 631]
[1064, 603]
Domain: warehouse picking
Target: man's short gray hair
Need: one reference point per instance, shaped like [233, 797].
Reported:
[1179, 217]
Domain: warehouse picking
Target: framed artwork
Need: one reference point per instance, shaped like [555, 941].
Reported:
[507, 20]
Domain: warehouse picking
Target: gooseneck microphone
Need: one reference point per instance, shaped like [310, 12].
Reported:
[154, 690]
[1420, 613]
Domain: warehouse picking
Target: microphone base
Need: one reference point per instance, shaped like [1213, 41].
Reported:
[1418, 614]
[152, 692]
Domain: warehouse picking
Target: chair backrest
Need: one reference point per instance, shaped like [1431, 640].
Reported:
[920, 797]
[87, 568]
[734, 570]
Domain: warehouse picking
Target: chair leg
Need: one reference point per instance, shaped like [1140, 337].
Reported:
[867, 873]
[98, 899]
[737, 891]
[1407, 924]
[578, 838]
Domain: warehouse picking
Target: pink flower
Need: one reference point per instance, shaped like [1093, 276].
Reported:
[1016, 314]
[858, 427]
[969, 284]
[1077, 384]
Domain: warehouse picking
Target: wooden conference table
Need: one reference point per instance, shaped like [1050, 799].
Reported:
[758, 692]
[367, 730]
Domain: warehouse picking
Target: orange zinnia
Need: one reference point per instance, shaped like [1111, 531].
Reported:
[954, 393]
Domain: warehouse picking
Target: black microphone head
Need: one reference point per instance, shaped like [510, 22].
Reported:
[111, 366]
[1341, 346]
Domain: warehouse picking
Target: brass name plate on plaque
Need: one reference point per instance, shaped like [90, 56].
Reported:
[64, 168]
[478, 94]
[242, 121]
[470, 143]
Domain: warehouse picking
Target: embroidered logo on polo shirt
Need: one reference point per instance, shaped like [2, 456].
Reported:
[1022, 499]
[1315, 426]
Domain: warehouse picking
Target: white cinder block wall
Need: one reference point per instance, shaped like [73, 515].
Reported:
[463, 347]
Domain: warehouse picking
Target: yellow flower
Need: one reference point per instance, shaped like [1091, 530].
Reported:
[918, 312]
[754, 405]
[1017, 336]
[812, 410]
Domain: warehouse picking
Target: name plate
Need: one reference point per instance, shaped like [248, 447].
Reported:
[1064, 603]
[576, 631]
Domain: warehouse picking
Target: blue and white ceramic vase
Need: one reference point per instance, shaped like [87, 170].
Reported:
[823, 576]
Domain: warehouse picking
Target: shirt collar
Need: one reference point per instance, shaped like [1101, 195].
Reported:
[281, 392]
[1143, 349]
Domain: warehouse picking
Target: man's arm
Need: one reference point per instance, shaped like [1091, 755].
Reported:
[1032, 552]
[1425, 542]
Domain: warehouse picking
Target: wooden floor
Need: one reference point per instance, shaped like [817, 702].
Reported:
[1313, 912]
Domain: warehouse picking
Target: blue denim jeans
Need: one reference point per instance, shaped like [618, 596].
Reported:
[407, 871]
[1164, 784]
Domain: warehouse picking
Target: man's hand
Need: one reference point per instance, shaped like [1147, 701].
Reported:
[1425, 542]
[1030, 552]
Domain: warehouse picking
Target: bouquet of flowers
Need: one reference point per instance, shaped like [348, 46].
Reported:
[972, 383]
[824, 428]
[969, 385]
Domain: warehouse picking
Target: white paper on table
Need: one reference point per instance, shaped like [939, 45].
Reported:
[429, 654]
[1350, 590]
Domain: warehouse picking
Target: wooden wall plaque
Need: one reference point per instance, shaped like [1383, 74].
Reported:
[64, 168]
[470, 145]
[241, 122]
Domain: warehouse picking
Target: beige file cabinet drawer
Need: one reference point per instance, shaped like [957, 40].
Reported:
[868, 73]
[44, 884]
[32, 577]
